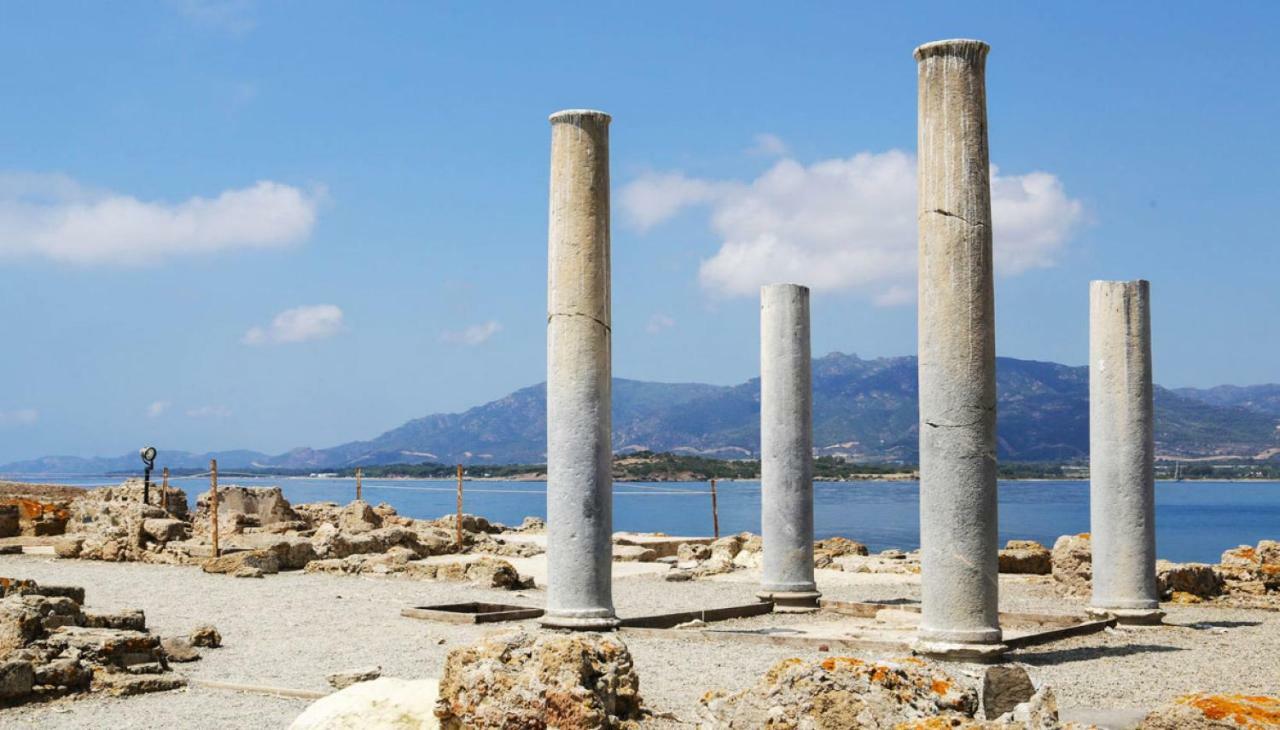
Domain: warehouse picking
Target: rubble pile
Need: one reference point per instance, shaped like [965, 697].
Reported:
[34, 510]
[1247, 576]
[114, 524]
[51, 646]
[261, 533]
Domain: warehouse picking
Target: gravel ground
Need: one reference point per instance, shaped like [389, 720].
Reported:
[291, 630]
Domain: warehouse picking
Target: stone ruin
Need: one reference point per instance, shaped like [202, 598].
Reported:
[261, 533]
[51, 646]
[1246, 577]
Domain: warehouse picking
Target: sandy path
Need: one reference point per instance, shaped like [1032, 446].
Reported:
[292, 629]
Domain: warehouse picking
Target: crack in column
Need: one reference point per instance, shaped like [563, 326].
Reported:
[607, 328]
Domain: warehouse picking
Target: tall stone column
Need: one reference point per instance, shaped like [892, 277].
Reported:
[958, 514]
[1122, 451]
[579, 448]
[786, 449]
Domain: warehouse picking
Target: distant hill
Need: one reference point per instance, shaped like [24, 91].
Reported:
[863, 410]
[1260, 398]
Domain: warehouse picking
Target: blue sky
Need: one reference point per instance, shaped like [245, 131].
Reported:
[243, 225]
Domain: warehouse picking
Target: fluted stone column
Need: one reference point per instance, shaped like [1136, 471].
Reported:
[1121, 452]
[958, 515]
[786, 448]
[579, 449]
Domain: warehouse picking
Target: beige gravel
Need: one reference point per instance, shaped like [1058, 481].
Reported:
[291, 630]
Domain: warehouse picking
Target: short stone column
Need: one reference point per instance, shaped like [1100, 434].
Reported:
[579, 446]
[1121, 452]
[958, 513]
[786, 449]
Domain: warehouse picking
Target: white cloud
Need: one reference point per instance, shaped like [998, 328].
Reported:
[768, 145]
[158, 408]
[656, 197]
[300, 324]
[209, 412]
[659, 322]
[845, 223]
[19, 417]
[54, 216]
[473, 335]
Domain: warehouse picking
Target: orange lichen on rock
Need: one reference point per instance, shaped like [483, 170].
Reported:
[941, 687]
[1250, 712]
[831, 663]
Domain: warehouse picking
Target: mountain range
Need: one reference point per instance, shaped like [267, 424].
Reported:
[864, 410]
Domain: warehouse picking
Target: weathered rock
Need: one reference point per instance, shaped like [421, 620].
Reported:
[1247, 565]
[1003, 689]
[826, 551]
[291, 551]
[75, 593]
[889, 561]
[10, 549]
[63, 672]
[10, 525]
[751, 552]
[205, 635]
[1197, 579]
[394, 704]
[108, 647]
[1268, 552]
[689, 552]
[841, 692]
[342, 680]
[244, 507]
[131, 491]
[1215, 712]
[129, 620]
[20, 624]
[490, 572]
[726, 548]
[260, 560]
[315, 514]
[178, 649]
[837, 546]
[532, 524]
[470, 523]
[1073, 563]
[633, 554]
[358, 517]
[17, 678]
[1026, 557]
[520, 680]
[247, 571]
[122, 684]
[112, 527]
[329, 542]
[165, 529]
[482, 543]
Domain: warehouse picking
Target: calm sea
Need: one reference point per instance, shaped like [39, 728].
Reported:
[1195, 521]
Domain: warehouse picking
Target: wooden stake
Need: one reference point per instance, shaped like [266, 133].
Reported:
[357, 484]
[213, 502]
[715, 512]
[164, 490]
[459, 535]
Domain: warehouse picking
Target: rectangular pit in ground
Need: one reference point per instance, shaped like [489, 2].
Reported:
[472, 612]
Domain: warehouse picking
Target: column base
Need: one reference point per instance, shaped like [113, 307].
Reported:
[1132, 616]
[954, 651]
[599, 620]
[791, 601]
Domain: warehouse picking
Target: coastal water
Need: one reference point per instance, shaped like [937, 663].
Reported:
[1195, 520]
